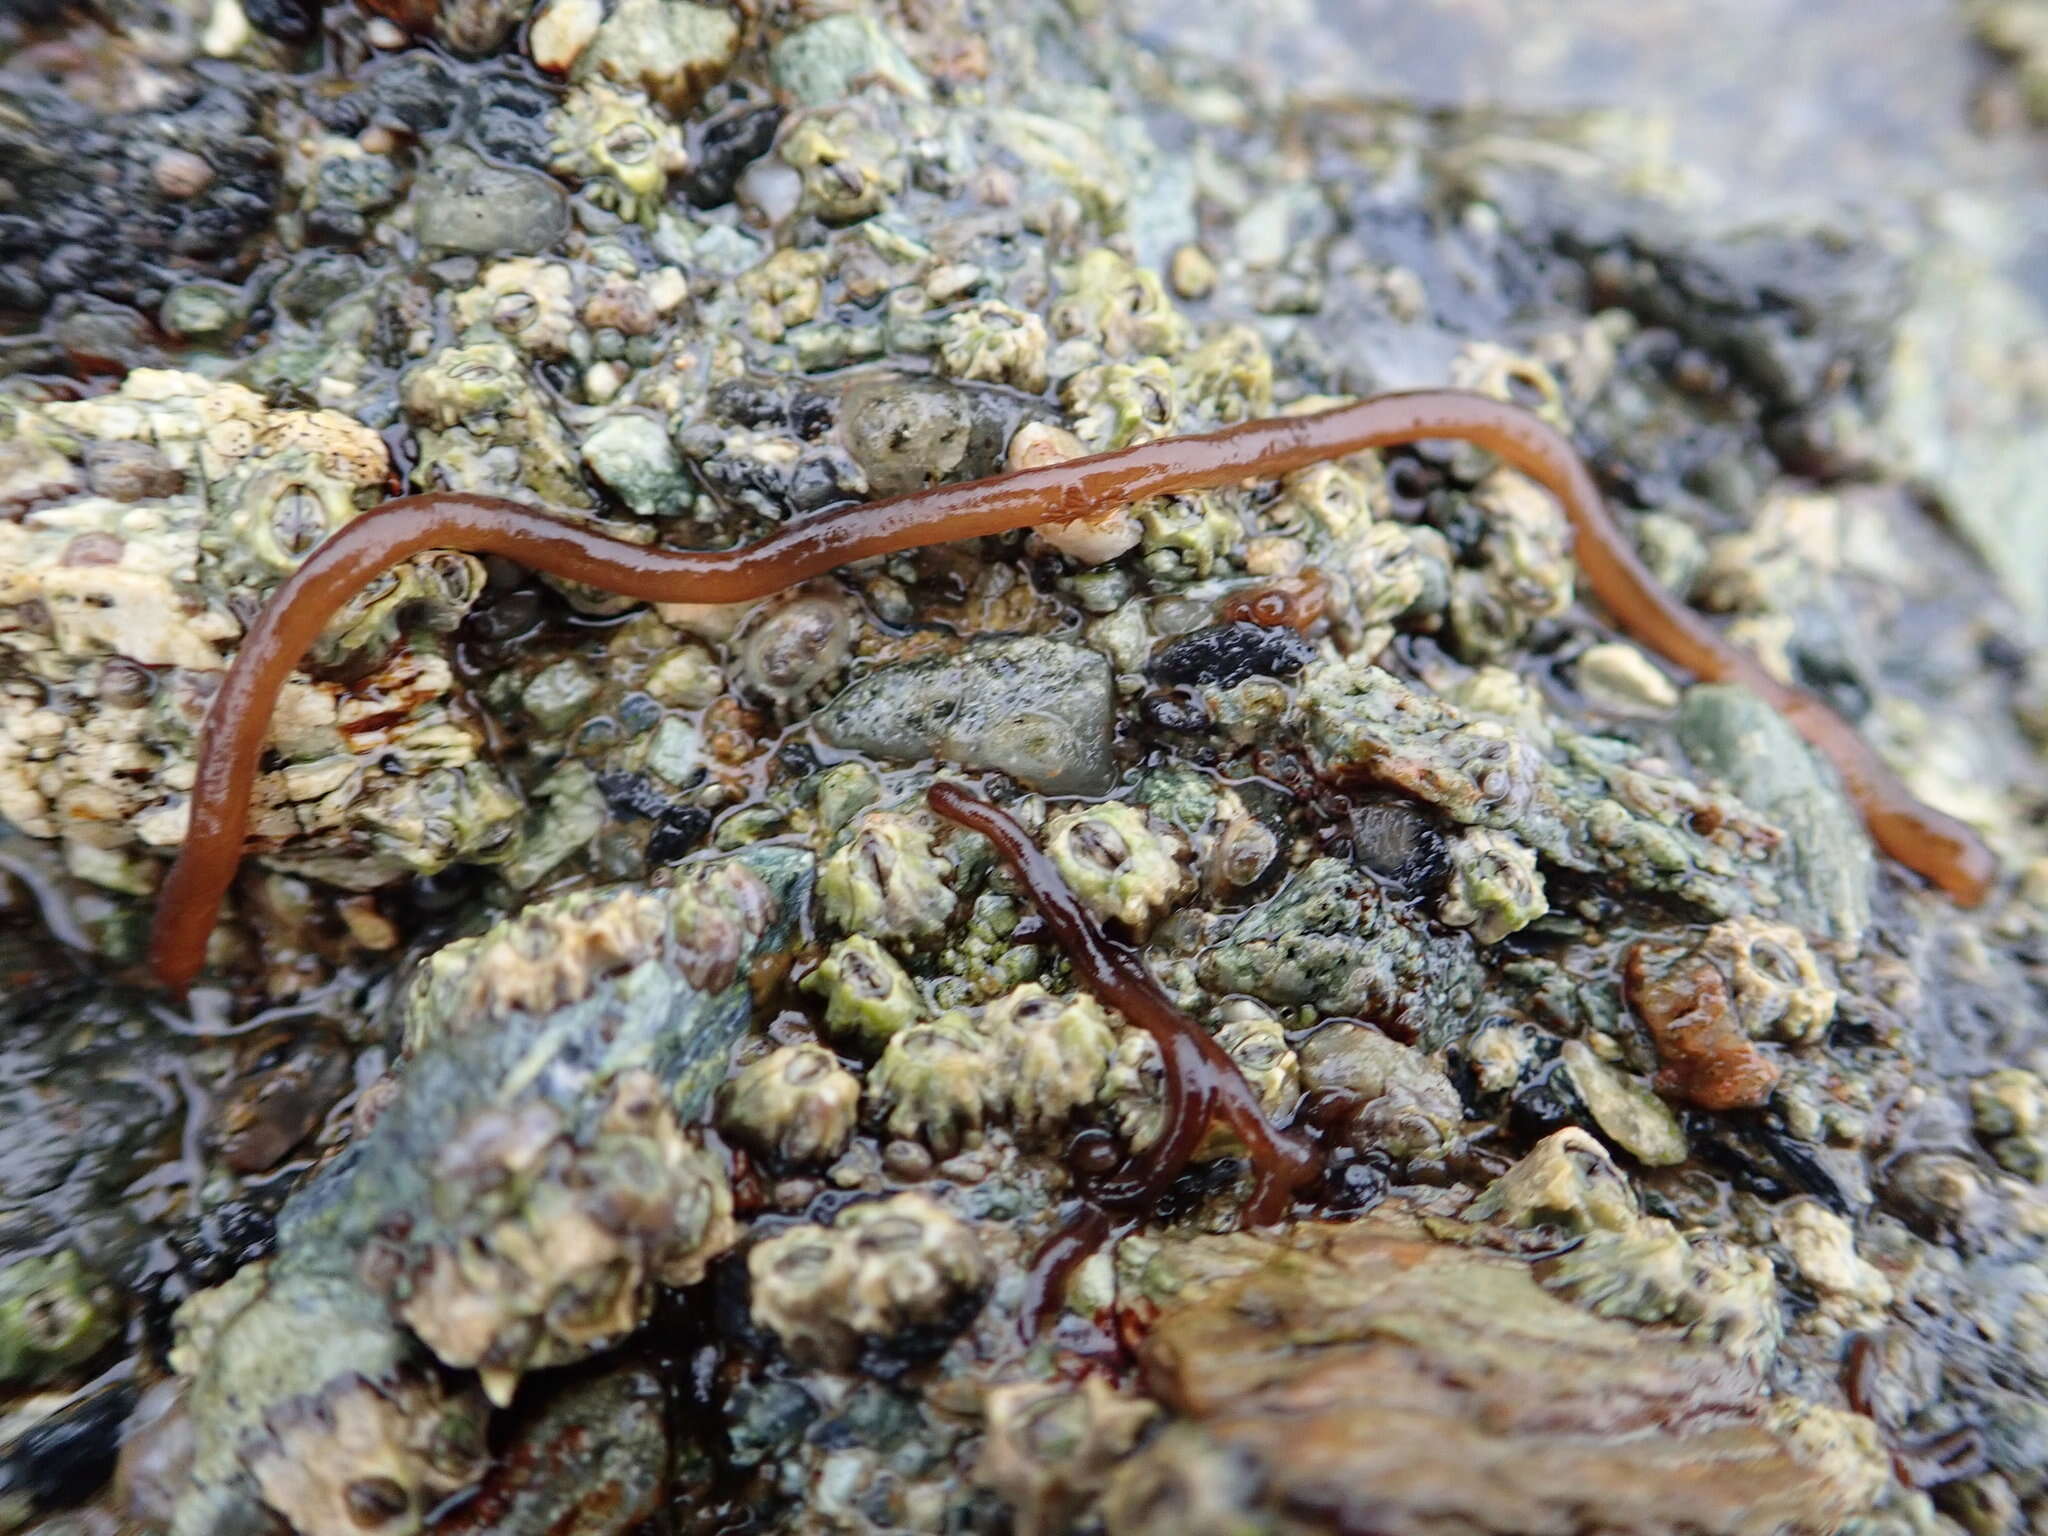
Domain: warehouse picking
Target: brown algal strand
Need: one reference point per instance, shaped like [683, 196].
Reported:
[238, 721]
[1202, 1082]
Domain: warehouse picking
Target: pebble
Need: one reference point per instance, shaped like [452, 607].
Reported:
[1621, 680]
[180, 173]
[1191, 272]
[562, 31]
[671, 49]
[467, 204]
[1039, 710]
[633, 456]
[833, 57]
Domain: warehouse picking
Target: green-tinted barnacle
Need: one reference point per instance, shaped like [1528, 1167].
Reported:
[1133, 1092]
[785, 290]
[1054, 1054]
[525, 301]
[1229, 377]
[1567, 1181]
[1525, 573]
[883, 1268]
[1120, 306]
[54, 1315]
[934, 1083]
[1774, 980]
[1494, 888]
[429, 592]
[2009, 1109]
[1114, 405]
[1186, 536]
[284, 514]
[1402, 1101]
[842, 792]
[1121, 866]
[459, 385]
[795, 1105]
[1257, 1042]
[1493, 370]
[1339, 499]
[887, 880]
[849, 170]
[869, 998]
[619, 146]
[995, 342]
[1394, 570]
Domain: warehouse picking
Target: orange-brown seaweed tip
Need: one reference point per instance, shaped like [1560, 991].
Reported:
[1202, 1082]
[238, 721]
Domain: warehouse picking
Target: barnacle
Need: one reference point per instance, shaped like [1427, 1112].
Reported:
[868, 997]
[1202, 1082]
[935, 1083]
[881, 1270]
[1123, 868]
[1054, 1053]
[619, 147]
[528, 302]
[887, 880]
[795, 1104]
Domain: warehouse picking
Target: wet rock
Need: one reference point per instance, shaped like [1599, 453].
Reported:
[1591, 809]
[633, 456]
[468, 205]
[1037, 709]
[285, 1086]
[64, 1458]
[592, 1462]
[1626, 1113]
[88, 213]
[1620, 1263]
[1404, 1418]
[1051, 1446]
[729, 144]
[1396, 1099]
[1733, 734]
